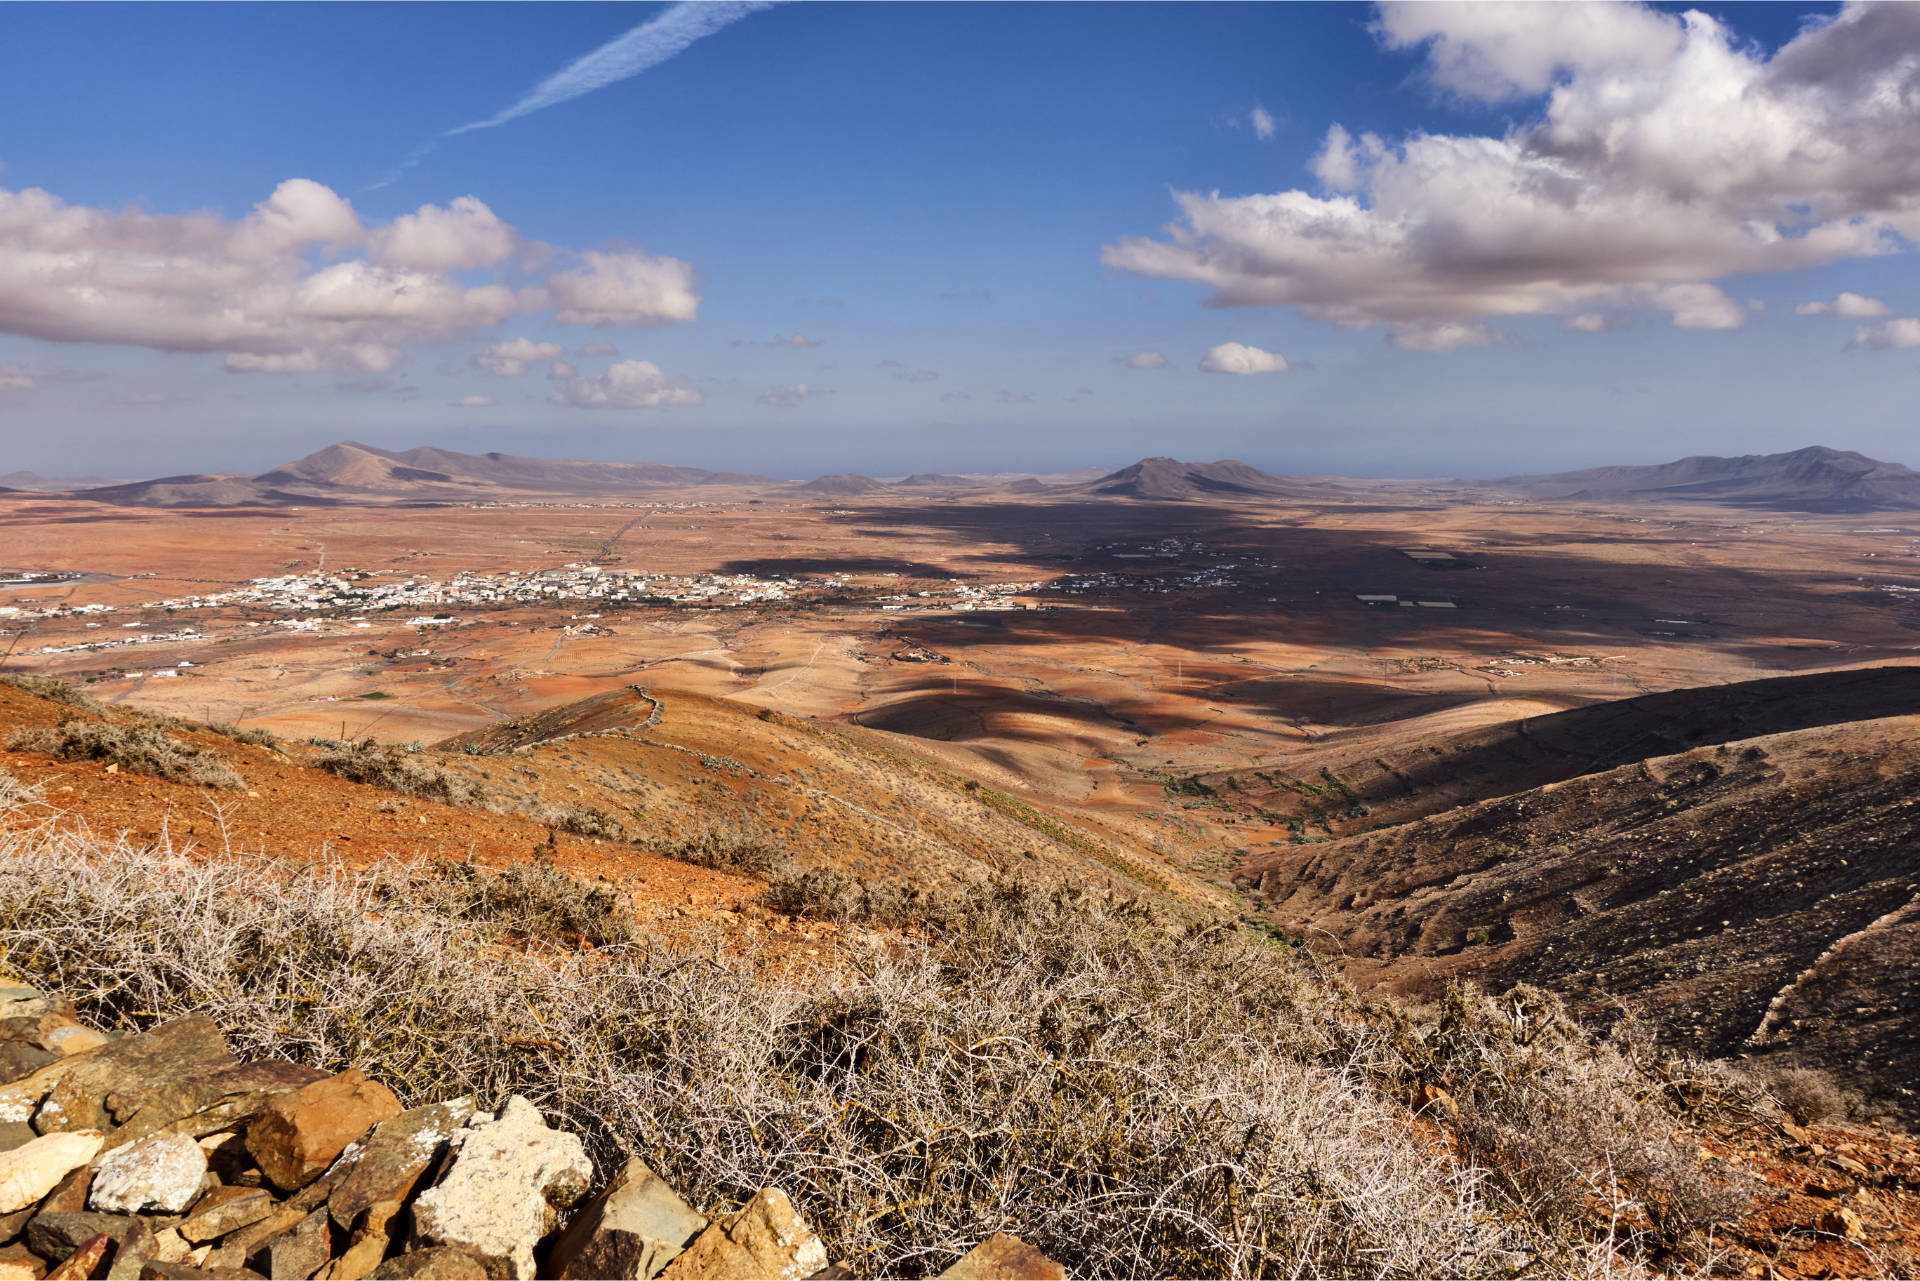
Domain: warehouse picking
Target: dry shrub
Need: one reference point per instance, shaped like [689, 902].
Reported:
[396, 770]
[49, 688]
[727, 849]
[138, 749]
[584, 820]
[257, 737]
[829, 895]
[532, 900]
[1136, 1097]
[1810, 1095]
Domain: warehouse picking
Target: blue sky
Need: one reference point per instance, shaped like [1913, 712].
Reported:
[963, 211]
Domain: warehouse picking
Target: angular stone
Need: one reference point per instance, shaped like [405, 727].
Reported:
[298, 1135]
[55, 1236]
[17, 1263]
[133, 1251]
[17, 999]
[510, 1179]
[79, 1265]
[299, 1252]
[1002, 1257]
[768, 1239]
[224, 1210]
[158, 1271]
[238, 1247]
[163, 1174]
[168, 1053]
[12, 1225]
[17, 1061]
[15, 1134]
[34, 1169]
[632, 1230]
[365, 1253]
[1843, 1222]
[388, 1167]
[70, 1194]
[35, 1026]
[437, 1263]
[68, 1106]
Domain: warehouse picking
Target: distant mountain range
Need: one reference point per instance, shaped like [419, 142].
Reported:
[1816, 479]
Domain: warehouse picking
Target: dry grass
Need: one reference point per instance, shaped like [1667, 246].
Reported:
[49, 688]
[137, 748]
[1135, 1097]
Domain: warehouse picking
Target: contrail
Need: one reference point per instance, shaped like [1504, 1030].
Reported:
[641, 49]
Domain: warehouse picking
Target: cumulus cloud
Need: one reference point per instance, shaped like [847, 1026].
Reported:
[1665, 155]
[1904, 332]
[1142, 360]
[628, 384]
[29, 377]
[789, 396]
[626, 288]
[300, 284]
[510, 359]
[1238, 358]
[1596, 322]
[594, 349]
[1848, 304]
[472, 402]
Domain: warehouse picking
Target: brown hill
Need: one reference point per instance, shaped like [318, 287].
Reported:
[1754, 895]
[352, 472]
[840, 484]
[1170, 479]
[1814, 479]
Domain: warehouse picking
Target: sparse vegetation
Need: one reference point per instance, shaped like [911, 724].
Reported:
[395, 769]
[829, 895]
[138, 749]
[1135, 1097]
[726, 848]
[585, 820]
[257, 737]
[47, 687]
[1810, 1095]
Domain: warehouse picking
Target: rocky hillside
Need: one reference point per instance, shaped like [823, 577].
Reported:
[1815, 479]
[161, 1155]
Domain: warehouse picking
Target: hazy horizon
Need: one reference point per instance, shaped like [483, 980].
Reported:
[1448, 240]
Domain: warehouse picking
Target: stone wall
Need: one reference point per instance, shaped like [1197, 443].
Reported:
[161, 1155]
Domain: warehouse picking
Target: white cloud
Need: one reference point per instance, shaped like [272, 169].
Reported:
[510, 359]
[627, 288]
[463, 236]
[1142, 360]
[1238, 358]
[789, 396]
[1595, 322]
[1440, 335]
[559, 371]
[300, 284]
[1904, 332]
[1262, 122]
[1666, 155]
[629, 384]
[1851, 305]
[471, 402]
[593, 349]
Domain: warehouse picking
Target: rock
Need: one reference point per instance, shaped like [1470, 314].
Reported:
[43, 1026]
[158, 1271]
[435, 1263]
[1843, 1222]
[70, 1194]
[135, 1250]
[79, 1265]
[17, 999]
[12, 1225]
[164, 1174]
[55, 1236]
[14, 1134]
[767, 1239]
[34, 1169]
[632, 1230]
[1847, 1165]
[18, 1265]
[1002, 1257]
[1430, 1098]
[298, 1135]
[360, 1258]
[300, 1251]
[396, 1155]
[237, 1248]
[69, 1106]
[181, 1048]
[224, 1210]
[18, 1061]
[200, 1105]
[509, 1181]
[1797, 1134]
